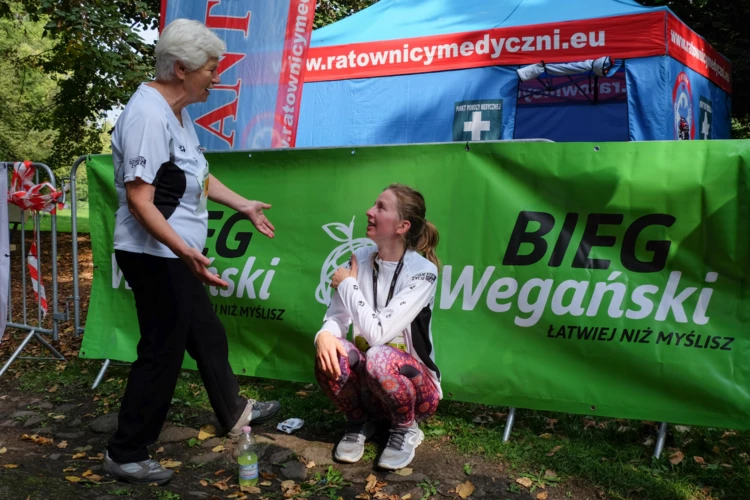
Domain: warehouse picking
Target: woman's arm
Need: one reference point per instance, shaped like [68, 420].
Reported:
[335, 326]
[140, 195]
[253, 210]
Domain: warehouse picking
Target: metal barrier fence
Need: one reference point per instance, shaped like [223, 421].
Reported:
[37, 325]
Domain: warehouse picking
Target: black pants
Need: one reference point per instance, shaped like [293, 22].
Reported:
[174, 314]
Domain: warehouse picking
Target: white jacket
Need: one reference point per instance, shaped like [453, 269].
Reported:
[406, 320]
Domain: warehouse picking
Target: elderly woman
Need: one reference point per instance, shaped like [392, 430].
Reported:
[162, 182]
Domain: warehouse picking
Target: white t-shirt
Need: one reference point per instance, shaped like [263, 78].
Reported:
[149, 142]
[407, 319]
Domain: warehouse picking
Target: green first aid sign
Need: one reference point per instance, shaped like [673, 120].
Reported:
[478, 120]
[604, 279]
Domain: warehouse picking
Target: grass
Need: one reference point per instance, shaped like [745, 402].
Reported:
[547, 449]
[64, 220]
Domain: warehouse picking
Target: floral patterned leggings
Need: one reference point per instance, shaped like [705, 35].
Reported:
[384, 383]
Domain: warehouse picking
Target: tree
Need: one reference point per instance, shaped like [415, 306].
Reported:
[725, 26]
[330, 11]
[27, 94]
[96, 57]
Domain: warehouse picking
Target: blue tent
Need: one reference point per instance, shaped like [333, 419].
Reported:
[412, 71]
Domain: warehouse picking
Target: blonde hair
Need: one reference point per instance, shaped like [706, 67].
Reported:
[422, 236]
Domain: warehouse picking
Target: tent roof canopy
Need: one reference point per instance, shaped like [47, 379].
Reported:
[396, 19]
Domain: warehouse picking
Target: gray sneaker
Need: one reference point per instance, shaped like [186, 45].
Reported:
[256, 412]
[402, 443]
[352, 446]
[146, 472]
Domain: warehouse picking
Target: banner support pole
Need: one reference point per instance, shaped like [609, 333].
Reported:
[509, 424]
[101, 373]
[661, 439]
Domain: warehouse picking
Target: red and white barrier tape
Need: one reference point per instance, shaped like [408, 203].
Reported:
[38, 198]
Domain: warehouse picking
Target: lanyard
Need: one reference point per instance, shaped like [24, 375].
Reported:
[376, 271]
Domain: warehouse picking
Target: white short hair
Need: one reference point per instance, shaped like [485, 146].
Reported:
[189, 42]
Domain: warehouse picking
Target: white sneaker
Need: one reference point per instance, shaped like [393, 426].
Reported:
[402, 443]
[352, 446]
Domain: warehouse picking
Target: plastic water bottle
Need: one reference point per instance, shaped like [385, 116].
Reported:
[248, 458]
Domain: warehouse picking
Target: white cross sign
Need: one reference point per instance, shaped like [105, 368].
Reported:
[476, 126]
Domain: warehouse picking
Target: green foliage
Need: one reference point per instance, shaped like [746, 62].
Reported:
[27, 93]
[93, 54]
[330, 11]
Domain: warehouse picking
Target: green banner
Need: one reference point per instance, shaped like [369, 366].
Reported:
[606, 279]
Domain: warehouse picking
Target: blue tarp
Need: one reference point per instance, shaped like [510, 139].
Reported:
[487, 103]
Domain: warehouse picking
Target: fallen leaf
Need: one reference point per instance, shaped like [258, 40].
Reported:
[250, 489]
[699, 460]
[648, 442]
[587, 422]
[98, 457]
[682, 428]
[73, 479]
[52, 389]
[79, 455]
[676, 457]
[546, 435]
[241, 496]
[542, 496]
[728, 466]
[310, 464]
[464, 490]
[483, 419]
[716, 450]
[406, 471]
[218, 449]
[268, 475]
[265, 483]
[170, 464]
[362, 496]
[406, 497]
[160, 449]
[203, 482]
[36, 439]
[548, 474]
[728, 434]
[58, 417]
[95, 478]
[3, 450]
[70, 469]
[206, 432]
[10, 466]
[290, 489]
[554, 450]
[222, 485]
[62, 445]
[302, 394]
[551, 423]
[268, 388]
[525, 481]
[371, 482]
[87, 473]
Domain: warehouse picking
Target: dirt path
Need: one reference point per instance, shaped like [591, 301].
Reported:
[51, 442]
